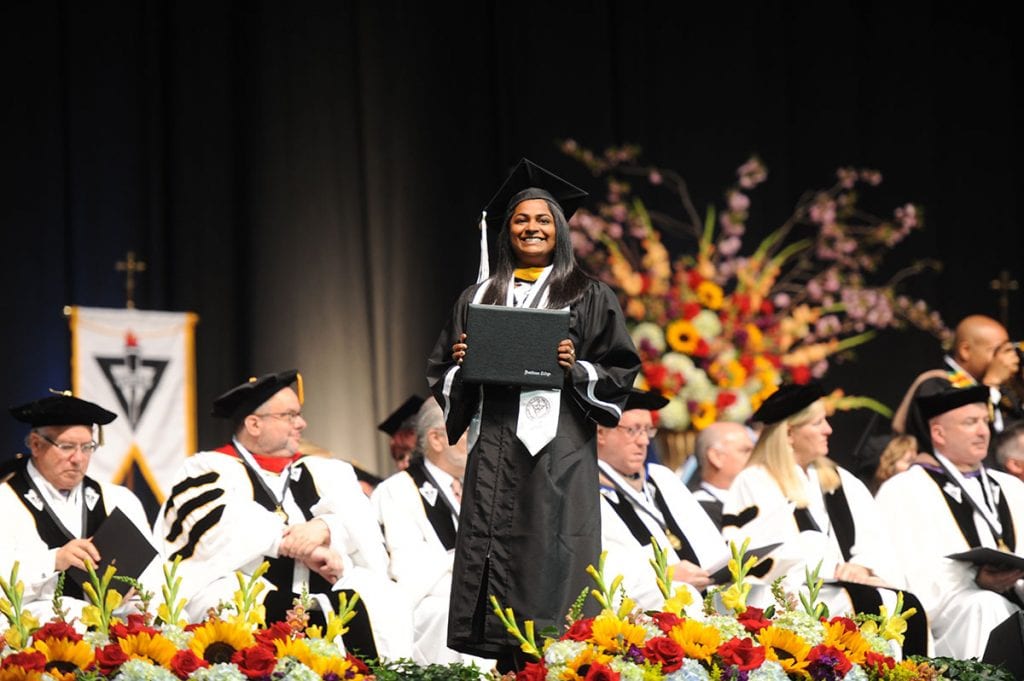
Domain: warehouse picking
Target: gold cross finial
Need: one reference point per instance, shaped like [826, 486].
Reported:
[1004, 286]
[130, 266]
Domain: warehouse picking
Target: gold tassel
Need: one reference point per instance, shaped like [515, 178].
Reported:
[298, 385]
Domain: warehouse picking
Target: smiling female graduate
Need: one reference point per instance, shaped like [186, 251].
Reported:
[530, 518]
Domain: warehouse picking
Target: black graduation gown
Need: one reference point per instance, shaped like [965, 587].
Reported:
[530, 525]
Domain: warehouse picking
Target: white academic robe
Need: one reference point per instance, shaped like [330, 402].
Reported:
[246, 532]
[630, 558]
[420, 564]
[962, 614]
[20, 541]
[755, 487]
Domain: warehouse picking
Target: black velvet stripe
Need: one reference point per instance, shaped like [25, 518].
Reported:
[189, 483]
[685, 551]
[804, 520]
[838, 508]
[188, 507]
[629, 516]
[962, 511]
[439, 515]
[197, 532]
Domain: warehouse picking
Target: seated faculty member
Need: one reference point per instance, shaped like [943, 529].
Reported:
[949, 502]
[418, 508]
[722, 451]
[51, 508]
[258, 499]
[640, 500]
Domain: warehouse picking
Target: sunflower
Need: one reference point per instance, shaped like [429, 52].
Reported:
[216, 641]
[710, 295]
[703, 415]
[682, 336]
[340, 667]
[153, 648]
[786, 648]
[587, 657]
[697, 640]
[852, 643]
[18, 673]
[64, 656]
[616, 635]
[297, 648]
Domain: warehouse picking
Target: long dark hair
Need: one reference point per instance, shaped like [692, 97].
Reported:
[567, 281]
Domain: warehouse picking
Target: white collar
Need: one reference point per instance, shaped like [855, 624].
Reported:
[50, 490]
[442, 478]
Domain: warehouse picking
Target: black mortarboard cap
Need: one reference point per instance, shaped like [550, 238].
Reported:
[529, 175]
[393, 423]
[651, 400]
[949, 399]
[242, 400]
[62, 410]
[789, 399]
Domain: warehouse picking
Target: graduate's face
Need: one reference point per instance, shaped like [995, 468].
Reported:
[624, 447]
[962, 435]
[277, 424]
[532, 232]
[61, 469]
[810, 439]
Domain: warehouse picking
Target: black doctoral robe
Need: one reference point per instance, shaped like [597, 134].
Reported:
[530, 525]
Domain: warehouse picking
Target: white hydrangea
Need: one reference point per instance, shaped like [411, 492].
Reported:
[561, 652]
[740, 410]
[768, 671]
[675, 415]
[690, 671]
[141, 670]
[675, 361]
[628, 671]
[290, 669]
[728, 627]
[176, 635]
[856, 673]
[222, 671]
[801, 624]
[707, 323]
[650, 332]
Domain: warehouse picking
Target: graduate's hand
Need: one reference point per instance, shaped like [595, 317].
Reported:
[566, 354]
[299, 541]
[996, 579]
[326, 562]
[694, 575]
[75, 553]
[459, 349]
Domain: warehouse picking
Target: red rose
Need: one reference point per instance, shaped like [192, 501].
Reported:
[664, 651]
[725, 400]
[255, 661]
[879, 663]
[33, 661]
[693, 279]
[741, 652]
[665, 620]
[753, 619]
[136, 625]
[278, 631]
[57, 630]
[767, 308]
[109, 658]
[702, 348]
[848, 625]
[533, 671]
[801, 374]
[690, 310]
[600, 672]
[581, 630]
[185, 662]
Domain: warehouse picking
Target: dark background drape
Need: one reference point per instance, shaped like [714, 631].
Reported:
[307, 176]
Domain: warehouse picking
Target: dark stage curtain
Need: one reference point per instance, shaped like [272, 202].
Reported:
[306, 176]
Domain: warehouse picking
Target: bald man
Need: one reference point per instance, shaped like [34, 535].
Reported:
[722, 451]
[982, 350]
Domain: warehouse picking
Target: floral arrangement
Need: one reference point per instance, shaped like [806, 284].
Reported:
[718, 330]
[728, 640]
[233, 644]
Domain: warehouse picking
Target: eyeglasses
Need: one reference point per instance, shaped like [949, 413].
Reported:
[70, 448]
[633, 432]
[291, 416]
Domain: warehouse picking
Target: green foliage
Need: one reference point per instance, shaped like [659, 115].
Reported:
[407, 670]
[965, 670]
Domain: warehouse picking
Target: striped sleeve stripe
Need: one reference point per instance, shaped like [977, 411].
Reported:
[189, 506]
[197, 532]
[189, 483]
[592, 385]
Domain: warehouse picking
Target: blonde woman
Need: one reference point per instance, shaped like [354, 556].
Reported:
[791, 492]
